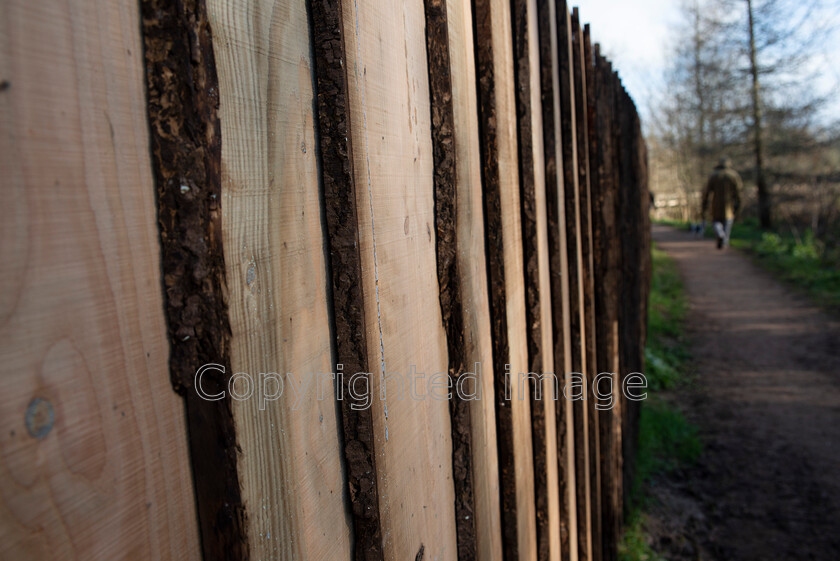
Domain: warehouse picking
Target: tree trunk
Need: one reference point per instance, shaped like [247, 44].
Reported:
[761, 184]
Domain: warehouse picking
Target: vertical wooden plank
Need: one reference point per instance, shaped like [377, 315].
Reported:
[503, 238]
[574, 233]
[532, 188]
[460, 247]
[631, 357]
[644, 223]
[446, 249]
[289, 459]
[257, 104]
[582, 95]
[93, 451]
[634, 233]
[340, 199]
[559, 270]
[392, 162]
[473, 275]
[610, 94]
[186, 150]
[613, 163]
[607, 263]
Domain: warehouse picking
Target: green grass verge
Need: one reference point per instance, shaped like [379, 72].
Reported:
[680, 224]
[666, 354]
[634, 546]
[796, 258]
[666, 439]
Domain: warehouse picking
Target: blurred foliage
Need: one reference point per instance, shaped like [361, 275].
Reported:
[796, 257]
[666, 354]
[667, 439]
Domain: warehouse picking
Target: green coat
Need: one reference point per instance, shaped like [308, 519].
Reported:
[724, 188]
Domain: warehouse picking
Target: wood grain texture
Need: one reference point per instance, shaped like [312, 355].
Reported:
[390, 131]
[290, 460]
[348, 317]
[582, 106]
[182, 94]
[532, 188]
[107, 473]
[574, 235]
[448, 270]
[559, 271]
[472, 278]
[505, 271]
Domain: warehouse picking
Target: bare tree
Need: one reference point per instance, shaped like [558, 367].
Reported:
[758, 144]
[743, 81]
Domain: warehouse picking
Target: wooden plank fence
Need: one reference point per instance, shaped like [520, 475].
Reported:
[381, 250]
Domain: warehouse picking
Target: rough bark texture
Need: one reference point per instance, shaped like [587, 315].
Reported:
[635, 266]
[584, 108]
[574, 235]
[606, 244]
[186, 151]
[530, 246]
[494, 244]
[345, 272]
[446, 201]
[556, 249]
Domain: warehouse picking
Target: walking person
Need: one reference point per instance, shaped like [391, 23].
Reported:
[724, 188]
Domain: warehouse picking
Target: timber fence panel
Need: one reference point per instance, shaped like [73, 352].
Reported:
[93, 452]
[389, 239]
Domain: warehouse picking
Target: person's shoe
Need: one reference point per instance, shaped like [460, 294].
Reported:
[720, 243]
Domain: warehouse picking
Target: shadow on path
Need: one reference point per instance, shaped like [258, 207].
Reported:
[767, 401]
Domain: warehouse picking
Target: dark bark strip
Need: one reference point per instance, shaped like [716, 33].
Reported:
[530, 246]
[583, 95]
[494, 247]
[633, 201]
[345, 271]
[574, 235]
[555, 208]
[446, 201]
[607, 262]
[186, 154]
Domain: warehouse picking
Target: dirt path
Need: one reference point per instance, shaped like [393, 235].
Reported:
[767, 400]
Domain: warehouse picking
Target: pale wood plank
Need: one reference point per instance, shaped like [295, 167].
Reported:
[537, 283]
[559, 269]
[549, 366]
[582, 117]
[472, 280]
[388, 95]
[497, 111]
[574, 234]
[290, 461]
[82, 315]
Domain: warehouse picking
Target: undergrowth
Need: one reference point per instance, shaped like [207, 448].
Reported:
[795, 257]
[666, 439]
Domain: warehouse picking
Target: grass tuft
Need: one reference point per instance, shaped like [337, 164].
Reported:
[634, 545]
